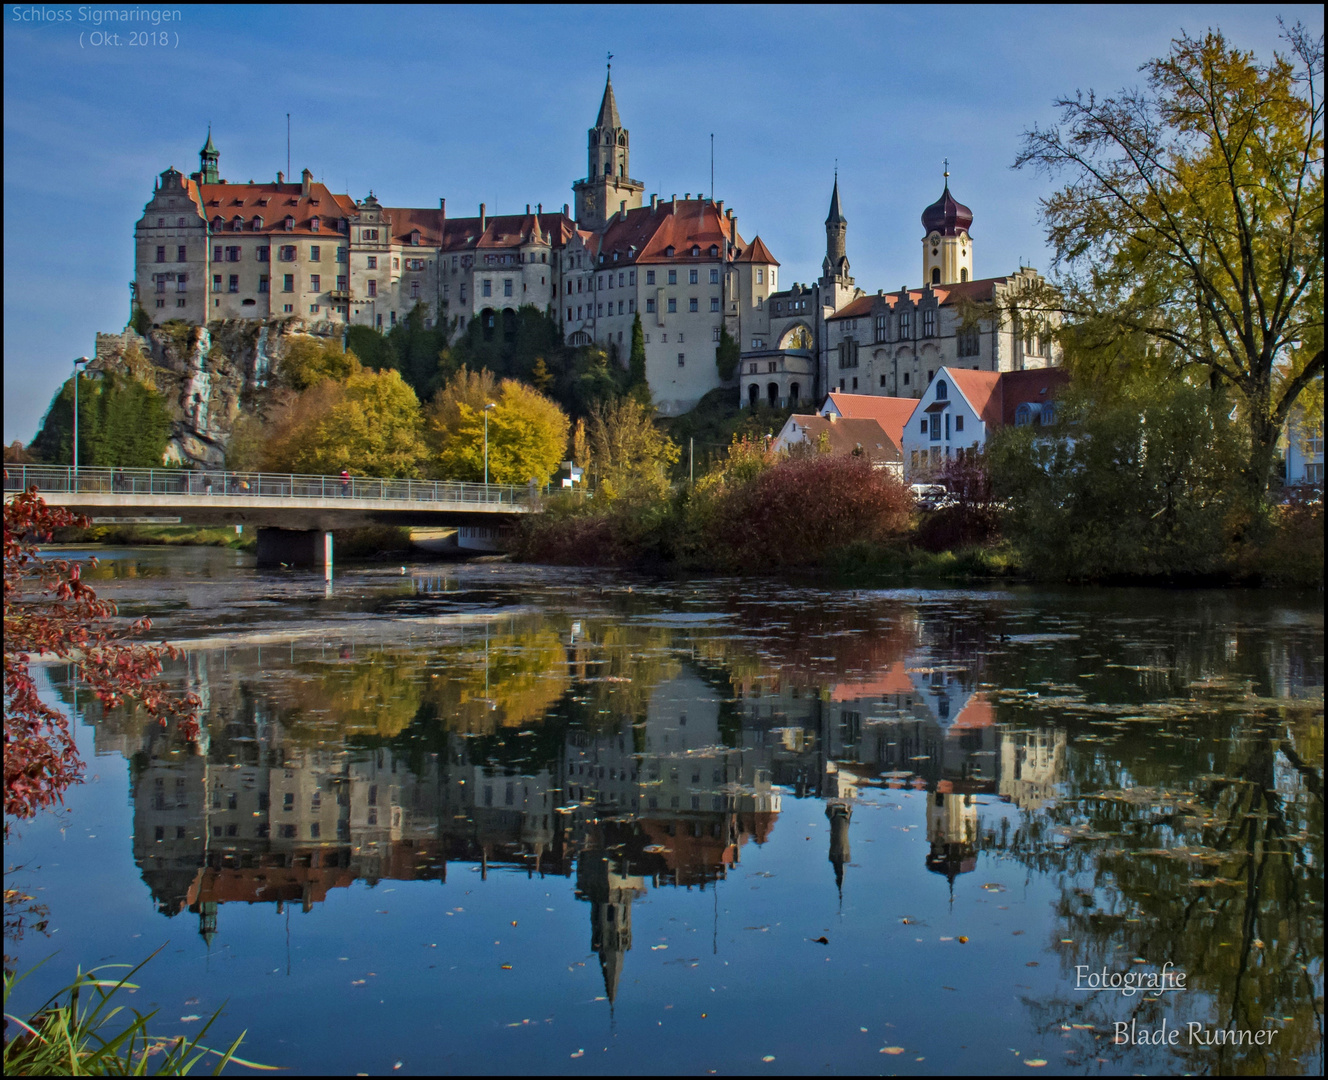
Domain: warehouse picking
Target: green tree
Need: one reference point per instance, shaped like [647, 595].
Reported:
[1139, 484]
[370, 424]
[727, 355]
[630, 455]
[527, 433]
[121, 422]
[1194, 215]
[372, 348]
[638, 385]
[420, 353]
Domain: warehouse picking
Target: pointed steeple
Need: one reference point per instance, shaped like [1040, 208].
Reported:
[608, 107]
[836, 217]
[208, 159]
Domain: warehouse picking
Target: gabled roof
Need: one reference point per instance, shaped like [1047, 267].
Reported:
[892, 413]
[501, 231]
[978, 713]
[757, 252]
[644, 235]
[982, 391]
[894, 681]
[845, 436]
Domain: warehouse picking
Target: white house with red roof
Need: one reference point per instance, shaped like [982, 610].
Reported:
[961, 409]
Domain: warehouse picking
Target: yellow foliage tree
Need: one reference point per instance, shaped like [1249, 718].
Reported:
[527, 431]
[308, 360]
[370, 425]
[630, 454]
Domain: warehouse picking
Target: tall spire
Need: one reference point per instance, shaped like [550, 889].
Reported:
[608, 107]
[208, 160]
[835, 218]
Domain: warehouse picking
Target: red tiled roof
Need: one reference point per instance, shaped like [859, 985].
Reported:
[894, 681]
[982, 390]
[273, 203]
[644, 235]
[406, 219]
[892, 413]
[1038, 386]
[983, 289]
[757, 252]
[978, 713]
[501, 231]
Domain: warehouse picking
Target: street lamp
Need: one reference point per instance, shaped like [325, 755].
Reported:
[77, 361]
[487, 409]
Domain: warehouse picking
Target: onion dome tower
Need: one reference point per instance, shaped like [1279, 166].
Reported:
[947, 249]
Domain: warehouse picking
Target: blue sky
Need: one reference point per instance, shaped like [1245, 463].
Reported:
[482, 104]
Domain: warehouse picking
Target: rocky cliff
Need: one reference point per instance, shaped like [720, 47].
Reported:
[207, 374]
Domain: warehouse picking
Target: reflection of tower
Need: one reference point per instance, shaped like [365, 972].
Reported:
[952, 831]
[839, 814]
[610, 894]
[207, 921]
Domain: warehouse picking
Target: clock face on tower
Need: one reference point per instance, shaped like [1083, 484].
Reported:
[591, 201]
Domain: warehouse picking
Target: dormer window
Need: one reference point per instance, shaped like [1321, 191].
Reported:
[341, 224]
[696, 250]
[290, 223]
[237, 224]
[262, 201]
[257, 223]
[415, 238]
[714, 250]
[316, 224]
[218, 224]
[668, 251]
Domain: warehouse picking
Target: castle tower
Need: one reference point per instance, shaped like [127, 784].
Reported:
[611, 894]
[608, 184]
[208, 159]
[947, 249]
[837, 287]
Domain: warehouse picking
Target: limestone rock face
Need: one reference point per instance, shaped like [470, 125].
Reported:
[206, 373]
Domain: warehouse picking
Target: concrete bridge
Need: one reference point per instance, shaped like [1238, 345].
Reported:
[294, 514]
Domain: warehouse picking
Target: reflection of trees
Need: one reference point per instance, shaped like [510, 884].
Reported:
[371, 694]
[1221, 874]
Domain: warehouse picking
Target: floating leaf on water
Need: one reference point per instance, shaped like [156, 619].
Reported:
[768, 1057]
[821, 940]
[507, 967]
[892, 1049]
[1035, 1063]
[963, 940]
[189, 1019]
[579, 1053]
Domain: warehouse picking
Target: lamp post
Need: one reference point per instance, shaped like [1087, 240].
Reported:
[487, 409]
[77, 361]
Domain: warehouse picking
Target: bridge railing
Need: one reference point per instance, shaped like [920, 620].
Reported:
[210, 483]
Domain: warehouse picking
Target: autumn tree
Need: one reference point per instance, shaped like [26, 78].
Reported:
[527, 432]
[51, 612]
[1194, 215]
[629, 454]
[370, 424]
[308, 360]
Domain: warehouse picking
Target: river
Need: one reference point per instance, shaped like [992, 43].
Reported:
[489, 818]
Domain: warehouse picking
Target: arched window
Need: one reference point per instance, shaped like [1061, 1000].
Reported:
[620, 172]
[963, 273]
[1023, 416]
[772, 393]
[486, 323]
[935, 275]
[753, 394]
[794, 392]
[509, 324]
[608, 168]
[942, 391]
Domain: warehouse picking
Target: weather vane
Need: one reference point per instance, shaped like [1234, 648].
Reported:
[609, 62]
[947, 168]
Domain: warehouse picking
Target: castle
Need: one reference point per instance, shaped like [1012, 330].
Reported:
[208, 249]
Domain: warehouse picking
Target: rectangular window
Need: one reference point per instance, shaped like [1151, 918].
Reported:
[313, 309]
[232, 254]
[372, 262]
[959, 422]
[968, 343]
[682, 360]
[263, 254]
[315, 282]
[216, 283]
[620, 280]
[461, 292]
[929, 324]
[288, 253]
[650, 305]
[315, 253]
[631, 277]
[234, 284]
[692, 276]
[714, 303]
[650, 277]
[341, 284]
[217, 254]
[161, 284]
[288, 283]
[922, 429]
[760, 276]
[673, 304]
[289, 308]
[486, 287]
[600, 310]
[673, 277]
[263, 283]
[714, 275]
[507, 286]
[181, 254]
[906, 378]
[693, 304]
[373, 288]
[161, 303]
[631, 307]
[414, 290]
[182, 283]
[714, 334]
[935, 423]
[903, 324]
[341, 255]
[368, 234]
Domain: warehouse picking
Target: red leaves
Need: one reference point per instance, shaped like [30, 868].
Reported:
[65, 619]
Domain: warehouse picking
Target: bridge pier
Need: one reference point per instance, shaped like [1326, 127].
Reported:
[295, 547]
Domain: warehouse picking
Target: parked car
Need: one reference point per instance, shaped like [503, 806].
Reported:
[931, 496]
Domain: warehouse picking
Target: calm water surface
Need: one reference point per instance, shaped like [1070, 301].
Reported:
[507, 819]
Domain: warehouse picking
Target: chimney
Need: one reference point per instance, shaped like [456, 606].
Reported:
[442, 207]
[720, 206]
[305, 177]
[527, 208]
[565, 213]
[281, 177]
[539, 208]
[654, 203]
[687, 196]
[483, 218]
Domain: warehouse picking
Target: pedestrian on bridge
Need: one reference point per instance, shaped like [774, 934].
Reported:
[345, 483]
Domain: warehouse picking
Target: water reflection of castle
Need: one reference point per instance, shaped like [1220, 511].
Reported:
[668, 799]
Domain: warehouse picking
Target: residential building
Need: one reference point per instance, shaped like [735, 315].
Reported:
[839, 436]
[960, 409]
[1304, 451]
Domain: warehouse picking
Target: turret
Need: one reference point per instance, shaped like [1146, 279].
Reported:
[947, 249]
[208, 159]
